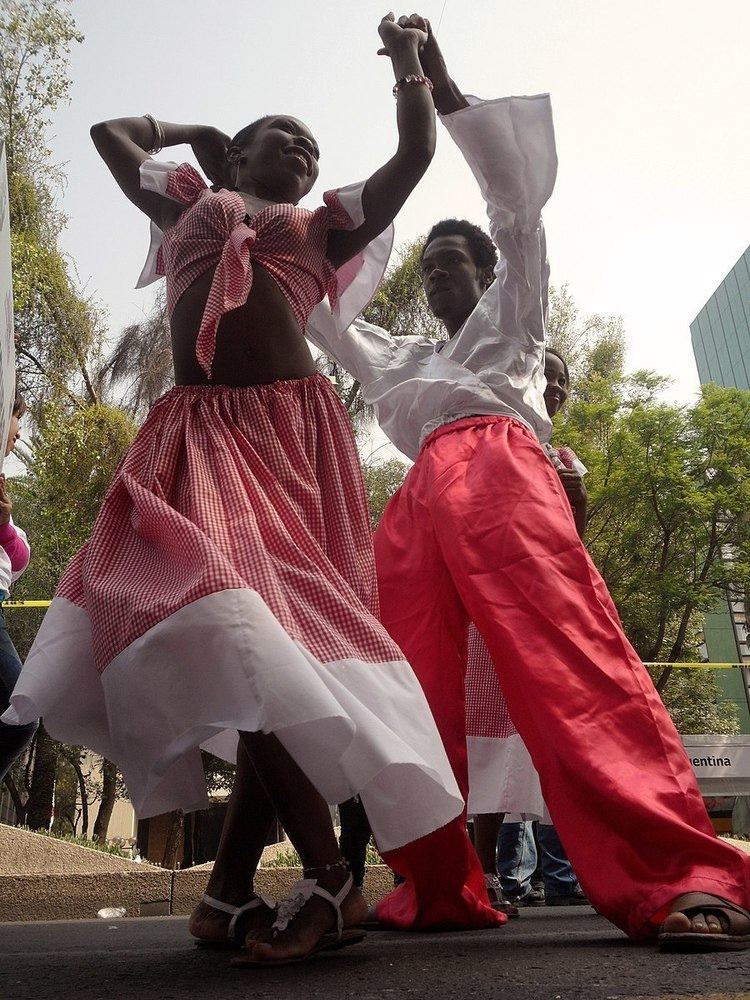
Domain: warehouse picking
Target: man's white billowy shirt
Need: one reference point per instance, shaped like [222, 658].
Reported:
[495, 363]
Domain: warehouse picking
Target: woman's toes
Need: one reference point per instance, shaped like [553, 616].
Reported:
[677, 923]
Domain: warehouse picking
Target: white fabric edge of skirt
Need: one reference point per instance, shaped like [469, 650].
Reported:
[224, 663]
[502, 777]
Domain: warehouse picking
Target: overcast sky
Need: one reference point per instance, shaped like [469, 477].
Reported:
[652, 203]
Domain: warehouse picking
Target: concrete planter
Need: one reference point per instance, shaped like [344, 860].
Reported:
[46, 879]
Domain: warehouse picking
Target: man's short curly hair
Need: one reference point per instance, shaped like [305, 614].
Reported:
[482, 249]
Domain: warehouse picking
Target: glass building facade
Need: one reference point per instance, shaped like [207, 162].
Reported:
[721, 344]
[721, 330]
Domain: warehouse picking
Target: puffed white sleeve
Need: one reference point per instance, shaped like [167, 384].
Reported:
[509, 145]
[360, 348]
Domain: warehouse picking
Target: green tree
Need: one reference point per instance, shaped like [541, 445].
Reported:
[58, 330]
[669, 488]
[382, 479]
[139, 367]
[74, 454]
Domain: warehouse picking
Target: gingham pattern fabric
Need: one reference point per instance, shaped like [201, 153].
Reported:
[253, 487]
[216, 231]
[486, 708]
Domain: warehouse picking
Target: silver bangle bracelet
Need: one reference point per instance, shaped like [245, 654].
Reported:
[159, 137]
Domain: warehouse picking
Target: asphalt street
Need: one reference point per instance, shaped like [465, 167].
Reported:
[544, 955]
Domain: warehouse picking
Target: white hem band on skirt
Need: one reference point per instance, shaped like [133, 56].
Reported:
[502, 778]
[223, 663]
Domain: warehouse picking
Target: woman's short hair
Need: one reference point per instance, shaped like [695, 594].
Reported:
[246, 135]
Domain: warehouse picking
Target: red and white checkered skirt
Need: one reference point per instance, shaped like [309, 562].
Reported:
[502, 777]
[229, 584]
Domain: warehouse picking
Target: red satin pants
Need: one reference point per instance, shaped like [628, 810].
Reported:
[482, 529]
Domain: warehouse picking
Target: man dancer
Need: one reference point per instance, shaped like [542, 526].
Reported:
[471, 413]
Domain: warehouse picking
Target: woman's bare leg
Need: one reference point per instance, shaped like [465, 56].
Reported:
[306, 818]
[486, 831]
[250, 815]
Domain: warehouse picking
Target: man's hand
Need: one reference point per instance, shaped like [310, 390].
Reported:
[6, 505]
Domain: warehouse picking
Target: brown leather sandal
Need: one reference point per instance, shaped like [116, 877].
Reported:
[734, 919]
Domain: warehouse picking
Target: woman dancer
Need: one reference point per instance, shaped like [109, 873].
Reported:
[14, 558]
[229, 583]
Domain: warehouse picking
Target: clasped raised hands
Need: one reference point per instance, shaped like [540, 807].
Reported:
[406, 31]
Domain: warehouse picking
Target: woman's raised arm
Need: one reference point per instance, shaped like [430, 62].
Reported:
[387, 190]
[124, 143]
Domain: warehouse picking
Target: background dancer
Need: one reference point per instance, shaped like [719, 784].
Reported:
[613, 769]
[229, 582]
[14, 558]
[502, 777]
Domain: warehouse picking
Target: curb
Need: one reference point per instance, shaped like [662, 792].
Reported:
[148, 892]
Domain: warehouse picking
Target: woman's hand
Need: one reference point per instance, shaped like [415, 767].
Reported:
[575, 490]
[572, 483]
[210, 146]
[406, 31]
[6, 504]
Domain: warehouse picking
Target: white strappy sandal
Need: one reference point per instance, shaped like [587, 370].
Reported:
[288, 908]
[234, 939]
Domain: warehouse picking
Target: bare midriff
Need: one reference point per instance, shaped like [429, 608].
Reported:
[258, 343]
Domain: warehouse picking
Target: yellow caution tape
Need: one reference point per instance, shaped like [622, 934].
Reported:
[702, 666]
[26, 604]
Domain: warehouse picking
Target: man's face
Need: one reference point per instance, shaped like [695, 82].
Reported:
[451, 280]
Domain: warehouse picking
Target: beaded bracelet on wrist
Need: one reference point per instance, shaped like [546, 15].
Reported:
[411, 78]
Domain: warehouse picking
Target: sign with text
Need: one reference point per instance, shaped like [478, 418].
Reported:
[721, 763]
[7, 343]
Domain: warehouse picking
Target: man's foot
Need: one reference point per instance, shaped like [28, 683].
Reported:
[534, 897]
[308, 922]
[216, 924]
[700, 922]
[575, 898]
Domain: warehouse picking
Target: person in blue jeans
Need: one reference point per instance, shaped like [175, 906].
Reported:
[14, 558]
[527, 848]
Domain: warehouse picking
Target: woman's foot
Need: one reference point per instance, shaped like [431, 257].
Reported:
[210, 925]
[497, 900]
[701, 922]
[311, 919]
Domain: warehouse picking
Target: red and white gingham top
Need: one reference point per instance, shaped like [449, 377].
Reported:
[289, 242]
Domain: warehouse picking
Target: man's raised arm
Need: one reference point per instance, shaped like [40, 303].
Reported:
[509, 145]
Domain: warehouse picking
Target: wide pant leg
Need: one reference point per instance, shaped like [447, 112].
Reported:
[444, 885]
[613, 769]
